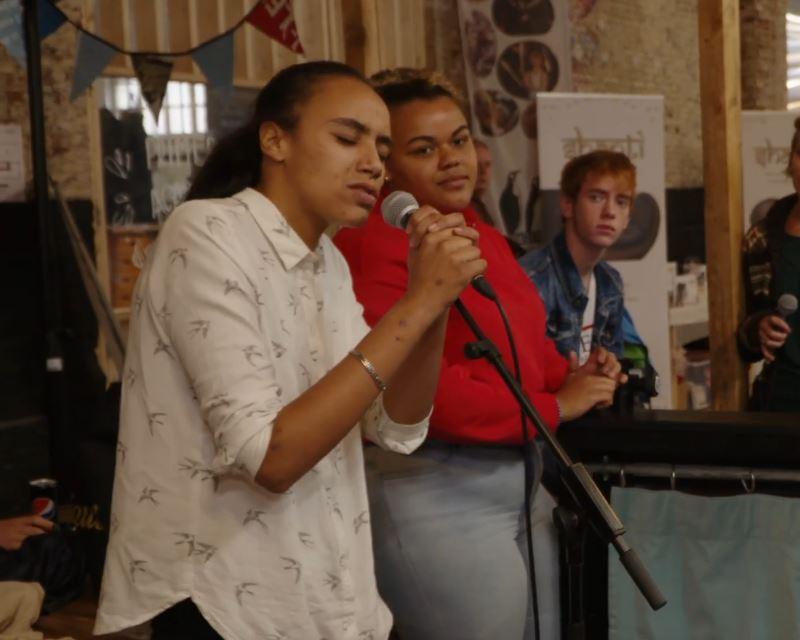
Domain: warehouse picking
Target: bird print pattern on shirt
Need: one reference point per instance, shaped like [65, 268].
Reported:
[306, 375]
[255, 357]
[220, 400]
[155, 419]
[149, 495]
[294, 303]
[199, 328]
[178, 256]
[162, 347]
[337, 458]
[293, 567]
[268, 257]
[278, 349]
[136, 567]
[254, 515]
[333, 503]
[163, 314]
[332, 581]
[306, 539]
[232, 286]
[214, 224]
[195, 548]
[244, 589]
[359, 521]
[196, 469]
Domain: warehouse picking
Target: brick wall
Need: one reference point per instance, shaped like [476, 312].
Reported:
[646, 47]
[763, 53]
[65, 121]
[651, 47]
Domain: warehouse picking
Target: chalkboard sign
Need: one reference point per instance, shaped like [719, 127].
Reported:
[145, 177]
[126, 177]
[229, 110]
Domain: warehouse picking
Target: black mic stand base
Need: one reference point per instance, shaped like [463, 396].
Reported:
[572, 533]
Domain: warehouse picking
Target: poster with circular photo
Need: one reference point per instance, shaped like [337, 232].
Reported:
[523, 17]
[481, 43]
[641, 233]
[529, 121]
[496, 113]
[525, 68]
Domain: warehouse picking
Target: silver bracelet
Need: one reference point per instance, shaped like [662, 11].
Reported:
[370, 369]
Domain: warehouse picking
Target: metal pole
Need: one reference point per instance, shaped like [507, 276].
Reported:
[54, 362]
[747, 476]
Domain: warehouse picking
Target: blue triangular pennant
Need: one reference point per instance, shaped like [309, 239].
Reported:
[11, 30]
[216, 61]
[93, 57]
[50, 18]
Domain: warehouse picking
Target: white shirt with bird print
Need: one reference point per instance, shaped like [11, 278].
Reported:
[233, 318]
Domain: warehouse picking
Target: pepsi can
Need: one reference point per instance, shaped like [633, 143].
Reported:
[43, 497]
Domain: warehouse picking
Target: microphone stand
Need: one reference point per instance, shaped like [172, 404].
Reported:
[588, 498]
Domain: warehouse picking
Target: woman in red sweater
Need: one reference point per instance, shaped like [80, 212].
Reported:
[448, 526]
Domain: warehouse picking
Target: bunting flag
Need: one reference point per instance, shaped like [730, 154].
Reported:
[11, 30]
[93, 57]
[153, 74]
[216, 61]
[12, 34]
[50, 18]
[275, 18]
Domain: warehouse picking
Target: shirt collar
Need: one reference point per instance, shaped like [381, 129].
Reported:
[289, 247]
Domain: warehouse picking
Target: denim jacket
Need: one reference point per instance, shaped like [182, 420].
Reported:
[555, 275]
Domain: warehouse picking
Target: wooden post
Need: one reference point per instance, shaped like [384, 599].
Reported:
[721, 105]
[355, 34]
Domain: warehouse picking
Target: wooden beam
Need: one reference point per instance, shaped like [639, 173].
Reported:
[720, 98]
[144, 26]
[355, 35]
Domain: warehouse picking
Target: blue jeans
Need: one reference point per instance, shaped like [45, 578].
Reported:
[449, 542]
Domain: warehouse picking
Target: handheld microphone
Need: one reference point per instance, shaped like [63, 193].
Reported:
[397, 209]
[787, 305]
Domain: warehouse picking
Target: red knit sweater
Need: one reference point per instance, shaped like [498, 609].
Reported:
[472, 403]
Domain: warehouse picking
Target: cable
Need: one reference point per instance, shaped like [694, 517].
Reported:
[532, 476]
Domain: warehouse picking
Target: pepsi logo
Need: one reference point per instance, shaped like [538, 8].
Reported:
[44, 507]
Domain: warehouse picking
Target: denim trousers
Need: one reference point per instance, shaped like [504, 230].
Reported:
[449, 542]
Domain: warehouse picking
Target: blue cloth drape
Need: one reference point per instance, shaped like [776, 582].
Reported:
[729, 567]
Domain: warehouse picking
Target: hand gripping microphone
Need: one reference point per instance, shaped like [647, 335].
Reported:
[787, 305]
[397, 209]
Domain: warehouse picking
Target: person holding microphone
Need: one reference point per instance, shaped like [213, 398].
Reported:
[240, 508]
[770, 331]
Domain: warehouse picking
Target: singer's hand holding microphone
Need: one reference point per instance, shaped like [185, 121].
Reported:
[444, 256]
[773, 330]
